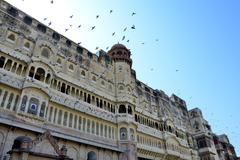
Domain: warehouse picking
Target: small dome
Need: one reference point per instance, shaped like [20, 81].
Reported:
[119, 52]
[118, 46]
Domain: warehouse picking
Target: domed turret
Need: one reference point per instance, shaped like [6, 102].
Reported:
[119, 52]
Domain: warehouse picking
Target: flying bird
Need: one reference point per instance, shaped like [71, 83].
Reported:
[113, 33]
[93, 27]
[125, 29]
[49, 23]
[133, 27]
[142, 43]
[176, 70]
[111, 11]
[157, 39]
[107, 48]
[79, 26]
[71, 16]
[128, 40]
[96, 48]
[123, 38]
[79, 43]
[70, 25]
[52, 1]
[66, 30]
[45, 19]
[133, 13]
[97, 16]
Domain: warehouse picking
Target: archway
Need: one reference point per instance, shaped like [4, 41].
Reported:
[91, 156]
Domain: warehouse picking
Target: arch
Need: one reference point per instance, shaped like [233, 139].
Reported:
[122, 109]
[8, 65]
[31, 72]
[129, 110]
[2, 61]
[91, 156]
[123, 133]
[40, 74]
[71, 67]
[59, 61]
[42, 110]
[94, 79]
[27, 45]
[45, 52]
[10, 99]
[121, 88]
[102, 83]
[24, 102]
[83, 73]
[48, 78]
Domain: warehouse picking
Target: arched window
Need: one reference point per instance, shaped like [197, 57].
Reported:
[123, 134]
[33, 106]
[70, 120]
[122, 109]
[59, 121]
[42, 110]
[48, 78]
[83, 73]
[15, 103]
[11, 37]
[94, 78]
[59, 61]
[65, 118]
[71, 67]
[10, 101]
[2, 61]
[45, 53]
[102, 83]
[8, 65]
[129, 110]
[40, 74]
[24, 102]
[31, 72]
[91, 156]
[121, 88]
[89, 98]
[27, 45]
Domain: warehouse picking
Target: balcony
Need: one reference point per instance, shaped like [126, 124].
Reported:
[150, 148]
[11, 79]
[124, 117]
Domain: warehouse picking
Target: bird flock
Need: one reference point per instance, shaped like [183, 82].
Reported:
[92, 28]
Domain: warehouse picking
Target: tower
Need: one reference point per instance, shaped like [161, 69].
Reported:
[124, 96]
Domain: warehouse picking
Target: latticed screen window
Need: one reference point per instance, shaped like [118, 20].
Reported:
[70, 120]
[65, 118]
[59, 121]
[42, 110]
[4, 98]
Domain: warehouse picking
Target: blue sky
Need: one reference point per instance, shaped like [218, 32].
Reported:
[200, 39]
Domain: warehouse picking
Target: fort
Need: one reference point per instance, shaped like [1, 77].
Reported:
[93, 105]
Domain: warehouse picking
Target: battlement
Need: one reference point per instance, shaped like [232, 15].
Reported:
[29, 22]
